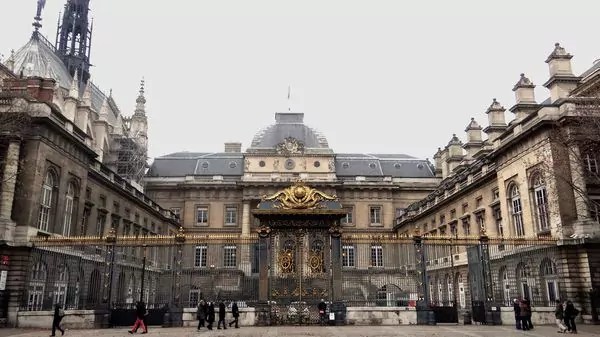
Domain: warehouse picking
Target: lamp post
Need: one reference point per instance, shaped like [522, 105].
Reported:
[143, 272]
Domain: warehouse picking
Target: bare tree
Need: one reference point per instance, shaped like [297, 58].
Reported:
[14, 122]
[575, 152]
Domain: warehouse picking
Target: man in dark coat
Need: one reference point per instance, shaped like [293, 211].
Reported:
[517, 309]
[210, 315]
[235, 312]
[221, 315]
[58, 316]
[201, 314]
[322, 306]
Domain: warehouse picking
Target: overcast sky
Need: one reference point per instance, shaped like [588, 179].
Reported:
[373, 76]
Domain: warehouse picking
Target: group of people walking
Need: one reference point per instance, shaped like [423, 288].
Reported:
[564, 314]
[206, 314]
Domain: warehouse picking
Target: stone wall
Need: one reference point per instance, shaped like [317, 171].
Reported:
[74, 319]
[381, 316]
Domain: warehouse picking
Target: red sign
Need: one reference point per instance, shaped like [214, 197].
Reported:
[4, 260]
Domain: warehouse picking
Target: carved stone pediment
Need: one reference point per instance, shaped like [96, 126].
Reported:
[290, 146]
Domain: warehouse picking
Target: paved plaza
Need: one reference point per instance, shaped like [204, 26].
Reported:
[294, 331]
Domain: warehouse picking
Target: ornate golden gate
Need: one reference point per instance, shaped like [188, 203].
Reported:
[301, 235]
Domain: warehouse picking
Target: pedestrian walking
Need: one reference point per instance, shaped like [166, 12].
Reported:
[210, 315]
[221, 316]
[201, 314]
[59, 313]
[235, 312]
[322, 306]
[140, 314]
[570, 313]
[559, 315]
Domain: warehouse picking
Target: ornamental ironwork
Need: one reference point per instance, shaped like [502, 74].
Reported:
[299, 196]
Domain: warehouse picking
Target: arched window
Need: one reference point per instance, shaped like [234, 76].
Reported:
[450, 287]
[460, 284]
[69, 205]
[541, 202]
[504, 280]
[46, 200]
[94, 289]
[524, 280]
[517, 210]
[391, 295]
[549, 275]
[60, 285]
[35, 288]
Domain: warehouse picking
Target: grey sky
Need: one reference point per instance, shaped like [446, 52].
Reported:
[373, 76]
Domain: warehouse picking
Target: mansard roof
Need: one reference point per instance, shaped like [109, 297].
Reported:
[181, 164]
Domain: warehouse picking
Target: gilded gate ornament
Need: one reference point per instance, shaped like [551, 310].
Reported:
[299, 196]
[315, 261]
[285, 260]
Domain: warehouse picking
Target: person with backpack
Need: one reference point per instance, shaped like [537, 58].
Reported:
[59, 313]
[570, 313]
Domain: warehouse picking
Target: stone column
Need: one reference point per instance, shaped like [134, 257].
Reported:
[336, 263]
[7, 193]
[246, 218]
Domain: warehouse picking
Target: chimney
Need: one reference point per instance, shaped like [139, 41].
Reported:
[233, 147]
[474, 139]
[455, 153]
[41, 89]
[437, 157]
[525, 98]
[496, 121]
[561, 81]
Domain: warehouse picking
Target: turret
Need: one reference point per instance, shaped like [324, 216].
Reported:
[455, 153]
[70, 108]
[139, 120]
[437, 157]
[561, 81]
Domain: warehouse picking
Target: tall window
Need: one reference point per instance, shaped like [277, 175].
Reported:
[505, 286]
[68, 215]
[200, 256]
[376, 256]
[194, 298]
[231, 216]
[524, 280]
[100, 223]
[595, 209]
[541, 202]
[517, 211]
[35, 289]
[498, 220]
[348, 256]
[591, 164]
[549, 275]
[375, 214]
[450, 289]
[46, 201]
[84, 221]
[347, 219]
[202, 216]
[229, 256]
[466, 226]
[60, 285]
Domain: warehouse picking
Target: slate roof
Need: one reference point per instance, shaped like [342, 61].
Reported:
[593, 69]
[288, 125]
[180, 164]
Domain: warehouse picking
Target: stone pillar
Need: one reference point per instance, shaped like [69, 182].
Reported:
[7, 193]
[263, 264]
[336, 263]
[425, 315]
[246, 219]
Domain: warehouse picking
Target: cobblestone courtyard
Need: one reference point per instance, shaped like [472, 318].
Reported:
[356, 331]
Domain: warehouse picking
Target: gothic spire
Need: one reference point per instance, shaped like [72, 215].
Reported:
[74, 38]
[38, 16]
[140, 106]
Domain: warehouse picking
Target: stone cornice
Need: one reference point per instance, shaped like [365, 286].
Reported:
[563, 79]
